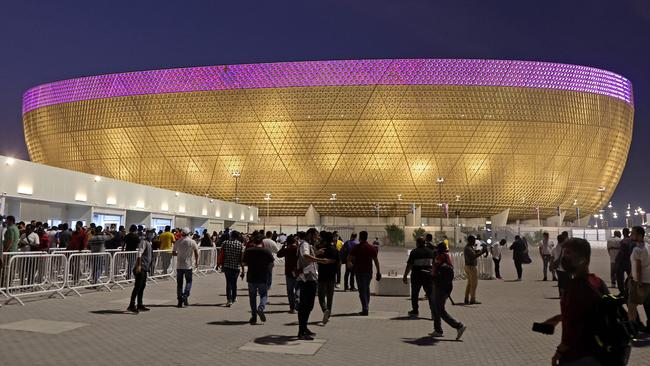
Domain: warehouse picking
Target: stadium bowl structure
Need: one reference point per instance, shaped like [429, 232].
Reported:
[502, 134]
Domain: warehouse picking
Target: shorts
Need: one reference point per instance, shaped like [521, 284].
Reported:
[637, 295]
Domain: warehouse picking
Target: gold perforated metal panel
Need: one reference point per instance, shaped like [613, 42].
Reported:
[495, 147]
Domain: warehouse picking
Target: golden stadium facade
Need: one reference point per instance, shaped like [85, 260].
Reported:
[502, 134]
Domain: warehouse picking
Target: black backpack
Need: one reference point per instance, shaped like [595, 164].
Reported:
[444, 275]
[610, 330]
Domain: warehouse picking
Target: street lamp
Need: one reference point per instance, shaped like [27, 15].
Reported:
[333, 200]
[440, 181]
[268, 208]
[236, 175]
[627, 217]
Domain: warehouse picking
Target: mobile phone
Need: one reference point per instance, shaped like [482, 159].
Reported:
[543, 328]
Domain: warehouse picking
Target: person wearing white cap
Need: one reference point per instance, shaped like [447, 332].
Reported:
[183, 249]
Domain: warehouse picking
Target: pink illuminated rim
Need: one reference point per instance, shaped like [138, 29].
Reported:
[526, 74]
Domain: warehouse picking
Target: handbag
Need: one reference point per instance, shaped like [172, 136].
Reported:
[221, 257]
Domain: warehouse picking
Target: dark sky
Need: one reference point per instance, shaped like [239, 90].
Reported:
[52, 40]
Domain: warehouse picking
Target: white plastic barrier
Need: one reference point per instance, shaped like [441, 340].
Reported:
[4, 266]
[458, 261]
[88, 270]
[122, 267]
[163, 265]
[35, 274]
[485, 268]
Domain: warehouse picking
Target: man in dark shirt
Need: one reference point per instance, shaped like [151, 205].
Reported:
[419, 263]
[362, 256]
[428, 242]
[327, 273]
[348, 277]
[622, 263]
[471, 270]
[518, 248]
[577, 304]
[257, 259]
[289, 252]
[131, 243]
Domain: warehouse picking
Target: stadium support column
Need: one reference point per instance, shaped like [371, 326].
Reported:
[312, 217]
[414, 217]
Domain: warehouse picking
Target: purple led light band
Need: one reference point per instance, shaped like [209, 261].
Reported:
[526, 74]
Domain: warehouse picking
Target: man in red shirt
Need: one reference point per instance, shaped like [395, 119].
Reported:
[289, 252]
[577, 305]
[362, 256]
[78, 242]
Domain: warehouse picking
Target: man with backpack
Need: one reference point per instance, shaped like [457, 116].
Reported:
[443, 277]
[594, 328]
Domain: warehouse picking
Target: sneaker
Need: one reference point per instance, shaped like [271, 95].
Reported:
[305, 337]
[234, 301]
[260, 313]
[466, 302]
[309, 333]
[180, 304]
[252, 320]
[143, 308]
[436, 334]
[544, 279]
[475, 302]
[132, 309]
[352, 289]
[414, 313]
[292, 311]
[228, 304]
[185, 302]
[460, 331]
[338, 285]
[364, 313]
[326, 316]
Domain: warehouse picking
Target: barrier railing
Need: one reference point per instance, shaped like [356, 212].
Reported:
[88, 270]
[35, 274]
[4, 266]
[163, 265]
[122, 268]
[207, 261]
[485, 268]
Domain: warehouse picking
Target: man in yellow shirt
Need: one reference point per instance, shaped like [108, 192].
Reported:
[339, 245]
[166, 241]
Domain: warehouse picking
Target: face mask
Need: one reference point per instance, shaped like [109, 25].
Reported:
[568, 265]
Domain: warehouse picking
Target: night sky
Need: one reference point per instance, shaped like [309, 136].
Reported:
[53, 40]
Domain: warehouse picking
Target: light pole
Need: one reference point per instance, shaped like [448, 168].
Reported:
[333, 200]
[376, 207]
[627, 217]
[267, 198]
[440, 181]
[236, 175]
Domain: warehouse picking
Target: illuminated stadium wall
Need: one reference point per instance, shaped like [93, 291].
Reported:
[502, 134]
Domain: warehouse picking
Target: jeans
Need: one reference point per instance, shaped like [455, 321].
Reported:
[546, 259]
[440, 298]
[620, 280]
[425, 281]
[562, 279]
[166, 258]
[138, 287]
[326, 295]
[519, 269]
[253, 290]
[97, 268]
[497, 269]
[291, 291]
[363, 283]
[307, 297]
[231, 283]
[472, 283]
[180, 273]
[584, 361]
[338, 275]
[348, 278]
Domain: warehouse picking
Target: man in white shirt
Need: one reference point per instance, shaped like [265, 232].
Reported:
[272, 246]
[30, 240]
[51, 235]
[639, 286]
[495, 250]
[613, 245]
[183, 249]
[545, 249]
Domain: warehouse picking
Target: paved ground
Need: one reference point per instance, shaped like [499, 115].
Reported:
[95, 330]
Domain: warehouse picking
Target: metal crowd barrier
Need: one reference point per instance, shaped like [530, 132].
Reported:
[458, 261]
[35, 274]
[207, 261]
[122, 268]
[485, 268]
[163, 265]
[88, 270]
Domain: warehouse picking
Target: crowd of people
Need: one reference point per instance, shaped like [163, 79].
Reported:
[315, 263]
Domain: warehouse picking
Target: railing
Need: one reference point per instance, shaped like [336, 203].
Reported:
[35, 274]
[207, 261]
[163, 265]
[88, 270]
[122, 268]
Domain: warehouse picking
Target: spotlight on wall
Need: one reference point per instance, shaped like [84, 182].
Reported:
[10, 161]
[97, 178]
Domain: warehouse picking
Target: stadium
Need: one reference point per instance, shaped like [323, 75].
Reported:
[352, 138]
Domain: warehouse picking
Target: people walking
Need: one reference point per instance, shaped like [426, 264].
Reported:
[140, 270]
[495, 251]
[613, 245]
[471, 270]
[166, 242]
[270, 245]
[289, 252]
[257, 259]
[443, 276]
[622, 262]
[639, 284]
[327, 273]
[183, 250]
[420, 264]
[518, 248]
[556, 264]
[545, 250]
[348, 278]
[232, 265]
[307, 280]
[363, 255]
